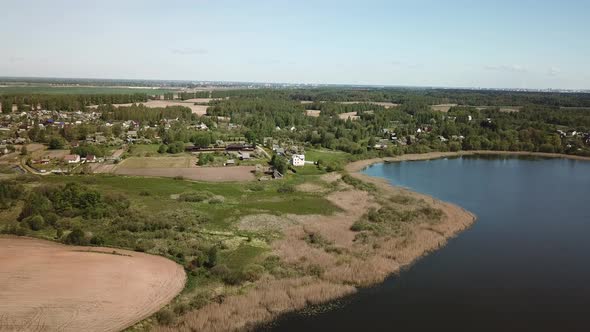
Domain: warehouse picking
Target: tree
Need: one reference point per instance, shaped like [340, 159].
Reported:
[56, 143]
[6, 106]
[117, 130]
[251, 137]
[23, 151]
[279, 163]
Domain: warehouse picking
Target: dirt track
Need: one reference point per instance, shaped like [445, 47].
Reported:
[45, 286]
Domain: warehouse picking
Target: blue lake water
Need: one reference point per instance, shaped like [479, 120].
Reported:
[523, 266]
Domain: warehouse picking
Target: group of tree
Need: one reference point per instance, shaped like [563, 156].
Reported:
[66, 102]
[140, 112]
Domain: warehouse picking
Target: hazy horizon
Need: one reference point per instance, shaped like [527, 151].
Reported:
[499, 44]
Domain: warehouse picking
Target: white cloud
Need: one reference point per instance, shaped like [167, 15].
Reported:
[554, 71]
[507, 68]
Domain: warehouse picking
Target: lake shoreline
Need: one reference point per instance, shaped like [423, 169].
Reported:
[357, 166]
[367, 264]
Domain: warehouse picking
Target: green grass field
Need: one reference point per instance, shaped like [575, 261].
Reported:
[47, 89]
[326, 155]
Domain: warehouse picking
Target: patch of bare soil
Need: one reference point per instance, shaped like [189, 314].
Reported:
[45, 286]
[442, 107]
[349, 115]
[313, 113]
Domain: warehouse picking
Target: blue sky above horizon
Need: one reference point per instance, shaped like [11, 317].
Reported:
[456, 43]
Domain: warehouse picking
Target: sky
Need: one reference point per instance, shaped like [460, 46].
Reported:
[452, 43]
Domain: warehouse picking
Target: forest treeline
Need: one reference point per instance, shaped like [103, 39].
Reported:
[428, 96]
[70, 103]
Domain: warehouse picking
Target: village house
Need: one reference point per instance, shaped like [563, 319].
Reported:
[244, 155]
[72, 158]
[298, 160]
[90, 158]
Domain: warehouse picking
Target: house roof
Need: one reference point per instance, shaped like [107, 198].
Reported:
[71, 157]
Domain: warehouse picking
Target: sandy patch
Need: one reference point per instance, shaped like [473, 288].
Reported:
[45, 286]
[52, 154]
[349, 115]
[442, 107]
[313, 113]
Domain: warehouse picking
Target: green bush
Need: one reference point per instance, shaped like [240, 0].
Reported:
[162, 149]
[165, 317]
[36, 223]
[97, 240]
[76, 237]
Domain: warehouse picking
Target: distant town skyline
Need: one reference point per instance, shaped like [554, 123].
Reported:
[484, 44]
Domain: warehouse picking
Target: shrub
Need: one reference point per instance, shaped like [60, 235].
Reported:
[196, 196]
[256, 187]
[253, 272]
[165, 317]
[286, 188]
[181, 308]
[145, 193]
[220, 270]
[162, 149]
[51, 218]
[76, 237]
[176, 147]
[358, 184]
[97, 240]
[401, 199]
[36, 223]
[216, 200]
